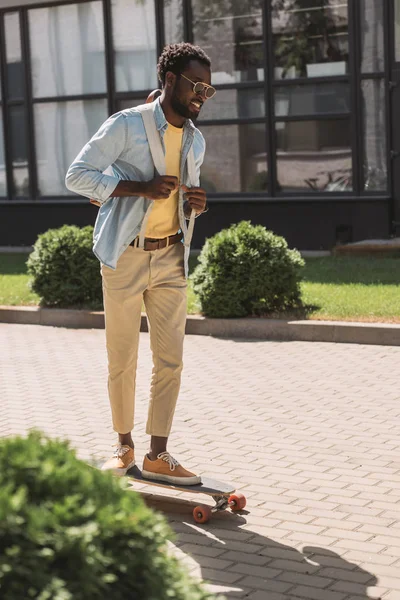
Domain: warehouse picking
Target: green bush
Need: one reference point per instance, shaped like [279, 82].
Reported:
[64, 270]
[71, 532]
[247, 271]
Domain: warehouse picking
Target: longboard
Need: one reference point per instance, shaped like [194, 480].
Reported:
[224, 494]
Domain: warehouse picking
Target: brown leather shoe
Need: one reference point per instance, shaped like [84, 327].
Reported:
[166, 468]
[122, 460]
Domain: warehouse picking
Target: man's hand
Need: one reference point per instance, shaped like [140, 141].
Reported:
[160, 187]
[196, 197]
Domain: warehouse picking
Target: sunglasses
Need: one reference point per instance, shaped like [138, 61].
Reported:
[199, 87]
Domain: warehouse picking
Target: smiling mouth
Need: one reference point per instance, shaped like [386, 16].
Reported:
[197, 105]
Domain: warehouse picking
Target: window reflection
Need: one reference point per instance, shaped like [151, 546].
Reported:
[134, 29]
[173, 22]
[15, 67]
[130, 103]
[67, 50]
[236, 158]
[19, 150]
[232, 38]
[372, 36]
[397, 29]
[231, 104]
[57, 142]
[374, 114]
[314, 156]
[310, 38]
[3, 178]
[312, 99]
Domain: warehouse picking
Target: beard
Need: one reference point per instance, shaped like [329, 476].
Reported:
[182, 109]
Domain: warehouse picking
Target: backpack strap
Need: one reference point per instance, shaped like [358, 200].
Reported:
[153, 138]
[191, 167]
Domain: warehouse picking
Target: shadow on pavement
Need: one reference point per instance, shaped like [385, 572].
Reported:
[227, 553]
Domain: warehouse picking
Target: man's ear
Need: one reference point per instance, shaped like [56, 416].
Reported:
[170, 79]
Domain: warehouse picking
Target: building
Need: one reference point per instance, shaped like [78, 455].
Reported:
[303, 135]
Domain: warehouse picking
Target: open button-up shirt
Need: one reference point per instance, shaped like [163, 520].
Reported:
[121, 143]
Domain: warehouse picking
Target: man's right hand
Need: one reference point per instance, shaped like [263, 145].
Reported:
[160, 187]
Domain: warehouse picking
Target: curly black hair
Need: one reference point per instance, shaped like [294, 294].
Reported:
[175, 58]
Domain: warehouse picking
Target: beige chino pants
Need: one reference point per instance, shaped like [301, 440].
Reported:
[157, 278]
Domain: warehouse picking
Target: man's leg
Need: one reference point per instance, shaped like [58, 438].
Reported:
[166, 306]
[123, 295]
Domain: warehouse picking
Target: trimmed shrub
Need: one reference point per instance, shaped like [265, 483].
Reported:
[247, 271]
[64, 270]
[71, 532]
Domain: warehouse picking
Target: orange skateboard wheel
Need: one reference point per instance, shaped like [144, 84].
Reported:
[237, 501]
[202, 513]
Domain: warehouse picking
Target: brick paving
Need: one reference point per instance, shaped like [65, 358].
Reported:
[308, 431]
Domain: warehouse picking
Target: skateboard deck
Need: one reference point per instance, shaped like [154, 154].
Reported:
[210, 487]
[223, 493]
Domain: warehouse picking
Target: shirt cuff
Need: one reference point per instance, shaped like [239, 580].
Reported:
[105, 188]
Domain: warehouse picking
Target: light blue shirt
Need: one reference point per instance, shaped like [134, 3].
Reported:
[121, 143]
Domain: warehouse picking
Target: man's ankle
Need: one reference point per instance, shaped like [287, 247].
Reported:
[158, 445]
[151, 455]
[125, 439]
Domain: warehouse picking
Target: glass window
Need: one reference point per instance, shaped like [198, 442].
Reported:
[233, 38]
[312, 99]
[310, 38]
[134, 29]
[62, 129]
[372, 49]
[19, 150]
[232, 104]
[236, 158]
[397, 29]
[123, 104]
[173, 22]
[3, 178]
[374, 122]
[15, 67]
[314, 156]
[67, 50]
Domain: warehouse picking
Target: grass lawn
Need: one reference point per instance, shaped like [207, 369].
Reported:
[14, 290]
[360, 289]
[349, 288]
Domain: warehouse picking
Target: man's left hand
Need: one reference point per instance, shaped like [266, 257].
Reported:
[196, 198]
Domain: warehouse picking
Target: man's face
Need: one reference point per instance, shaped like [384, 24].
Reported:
[184, 100]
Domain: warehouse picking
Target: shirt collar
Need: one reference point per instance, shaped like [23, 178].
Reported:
[161, 121]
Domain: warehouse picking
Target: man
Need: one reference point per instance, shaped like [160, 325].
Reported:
[152, 270]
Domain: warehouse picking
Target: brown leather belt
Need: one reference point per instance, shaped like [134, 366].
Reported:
[158, 244]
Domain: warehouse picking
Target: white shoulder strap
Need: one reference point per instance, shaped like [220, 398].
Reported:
[191, 166]
[153, 138]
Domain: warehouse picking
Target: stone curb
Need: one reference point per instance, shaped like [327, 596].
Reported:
[382, 334]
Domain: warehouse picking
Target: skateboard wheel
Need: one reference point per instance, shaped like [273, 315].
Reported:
[237, 501]
[202, 513]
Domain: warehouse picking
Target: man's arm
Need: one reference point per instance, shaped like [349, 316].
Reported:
[85, 176]
[158, 188]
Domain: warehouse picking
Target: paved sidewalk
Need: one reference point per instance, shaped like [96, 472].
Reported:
[309, 432]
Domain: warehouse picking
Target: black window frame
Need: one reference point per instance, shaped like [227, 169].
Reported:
[354, 77]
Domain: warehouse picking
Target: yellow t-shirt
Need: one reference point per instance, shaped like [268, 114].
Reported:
[163, 219]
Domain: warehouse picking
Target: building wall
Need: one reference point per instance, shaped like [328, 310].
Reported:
[293, 151]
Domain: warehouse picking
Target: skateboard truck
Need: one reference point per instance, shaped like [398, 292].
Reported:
[203, 513]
